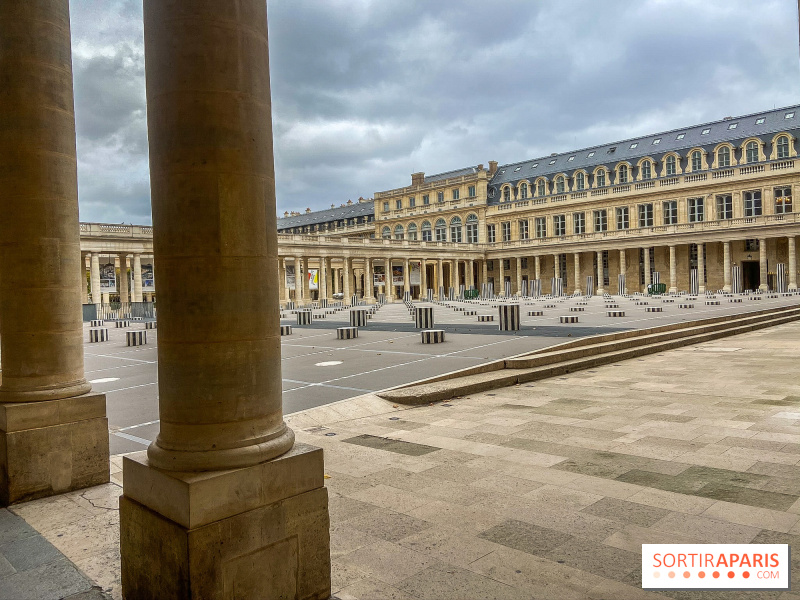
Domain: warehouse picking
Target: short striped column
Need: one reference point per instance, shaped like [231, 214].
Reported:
[304, 317]
[346, 333]
[96, 323]
[290, 305]
[151, 325]
[686, 305]
[780, 279]
[654, 309]
[656, 277]
[569, 319]
[121, 324]
[423, 317]
[525, 288]
[286, 330]
[576, 309]
[615, 313]
[693, 284]
[590, 285]
[485, 318]
[509, 317]
[433, 336]
[98, 334]
[736, 279]
[136, 338]
[430, 295]
[535, 313]
[621, 284]
[507, 289]
[381, 298]
[323, 303]
[451, 294]
[358, 318]
[712, 302]
[406, 296]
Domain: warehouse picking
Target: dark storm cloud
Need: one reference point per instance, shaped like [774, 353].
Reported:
[366, 92]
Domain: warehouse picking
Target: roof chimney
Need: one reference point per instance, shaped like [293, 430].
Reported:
[349, 203]
[308, 211]
[480, 167]
[417, 178]
[333, 206]
[285, 214]
[492, 167]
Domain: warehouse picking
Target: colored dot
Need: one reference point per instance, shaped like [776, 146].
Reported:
[686, 574]
[701, 574]
[656, 575]
[746, 574]
[672, 574]
[731, 574]
[715, 574]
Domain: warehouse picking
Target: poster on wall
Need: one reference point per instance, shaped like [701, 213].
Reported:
[414, 274]
[108, 278]
[379, 276]
[290, 277]
[397, 275]
[313, 279]
[148, 280]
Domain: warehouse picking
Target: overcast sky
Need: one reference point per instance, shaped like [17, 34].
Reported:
[365, 92]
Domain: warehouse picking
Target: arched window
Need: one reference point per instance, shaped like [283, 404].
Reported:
[398, 232]
[560, 185]
[783, 147]
[580, 180]
[647, 170]
[412, 232]
[724, 157]
[671, 165]
[697, 161]
[386, 233]
[426, 231]
[752, 152]
[601, 178]
[623, 173]
[472, 229]
[455, 230]
[523, 191]
[542, 190]
[441, 230]
[506, 194]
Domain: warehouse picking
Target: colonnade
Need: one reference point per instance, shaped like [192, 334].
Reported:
[127, 292]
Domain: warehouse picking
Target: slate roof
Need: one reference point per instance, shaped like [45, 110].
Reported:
[719, 131]
[358, 209]
[450, 174]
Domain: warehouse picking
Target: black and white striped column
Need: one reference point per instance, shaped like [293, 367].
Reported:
[346, 333]
[304, 317]
[121, 324]
[423, 317]
[509, 317]
[590, 285]
[286, 330]
[736, 279]
[98, 334]
[151, 325]
[694, 286]
[621, 284]
[536, 288]
[433, 336]
[656, 277]
[136, 338]
[507, 289]
[358, 318]
[780, 279]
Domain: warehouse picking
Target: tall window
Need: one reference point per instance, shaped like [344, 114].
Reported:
[783, 200]
[398, 204]
[491, 233]
[472, 229]
[578, 223]
[541, 227]
[523, 229]
[559, 225]
[580, 180]
[601, 178]
[542, 190]
[455, 194]
[505, 229]
[724, 157]
[412, 232]
[412, 202]
[647, 170]
[426, 199]
[752, 152]
[783, 147]
[623, 218]
[724, 206]
[696, 209]
[455, 230]
[697, 161]
[398, 232]
[506, 194]
[523, 191]
[385, 207]
[386, 233]
[601, 220]
[426, 231]
[560, 185]
[440, 197]
[670, 212]
[623, 174]
[752, 203]
[645, 215]
[441, 230]
[471, 191]
[671, 162]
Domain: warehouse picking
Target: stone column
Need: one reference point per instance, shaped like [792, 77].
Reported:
[54, 435]
[439, 274]
[219, 507]
[500, 288]
[577, 262]
[537, 263]
[600, 290]
[470, 273]
[484, 274]
[646, 268]
[726, 266]
[369, 294]
[94, 278]
[762, 263]
[423, 279]
[282, 278]
[701, 268]
[124, 296]
[306, 286]
[137, 278]
[623, 268]
[673, 271]
[555, 265]
[792, 264]
[346, 287]
[406, 277]
[84, 282]
[454, 275]
[519, 276]
[323, 278]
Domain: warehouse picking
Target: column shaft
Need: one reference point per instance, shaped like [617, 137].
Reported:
[94, 278]
[519, 276]
[298, 281]
[306, 281]
[600, 274]
[537, 261]
[406, 276]
[762, 263]
[623, 269]
[673, 270]
[137, 278]
[84, 281]
[646, 268]
[323, 278]
[368, 280]
[124, 296]
[726, 266]
[577, 263]
[423, 278]
[701, 268]
[346, 284]
[500, 288]
[792, 263]
[439, 274]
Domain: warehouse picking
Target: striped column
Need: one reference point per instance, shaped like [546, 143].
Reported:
[423, 317]
[509, 317]
[406, 279]
[358, 317]
[736, 284]
[694, 288]
[780, 283]
[536, 289]
[621, 284]
[647, 280]
[502, 275]
[590, 285]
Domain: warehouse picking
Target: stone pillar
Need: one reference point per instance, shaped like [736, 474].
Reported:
[673, 271]
[124, 295]
[470, 273]
[454, 275]
[726, 266]
[484, 273]
[369, 293]
[439, 274]
[323, 278]
[423, 278]
[54, 435]
[762, 263]
[577, 262]
[600, 279]
[84, 282]
[519, 275]
[406, 277]
[306, 286]
[346, 279]
[500, 288]
[537, 262]
[222, 505]
[137, 278]
[94, 277]
[701, 269]
[623, 268]
[792, 264]
[646, 268]
[555, 265]
[298, 281]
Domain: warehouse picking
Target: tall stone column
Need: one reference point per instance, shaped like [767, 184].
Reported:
[282, 287]
[537, 266]
[306, 281]
[439, 275]
[84, 282]
[137, 277]
[454, 275]
[701, 268]
[94, 278]
[500, 288]
[484, 273]
[423, 278]
[346, 278]
[369, 282]
[647, 279]
[519, 276]
[623, 268]
[218, 507]
[762, 263]
[673, 271]
[124, 295]
[726, 266]
[555, 265]
[54, 435]
[792, 264]
[298, 281]
[577, 262]
[406, 277]
[600, 275]
[323, 278]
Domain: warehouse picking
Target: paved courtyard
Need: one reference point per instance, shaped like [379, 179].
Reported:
[543, 490]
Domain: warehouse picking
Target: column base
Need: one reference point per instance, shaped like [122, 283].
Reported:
[763, 287]
[792, 287]
[255, 532]
[52, 447]
[726, 288]
[673, 290]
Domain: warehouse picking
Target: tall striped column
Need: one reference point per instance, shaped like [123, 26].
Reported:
[647, 280]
